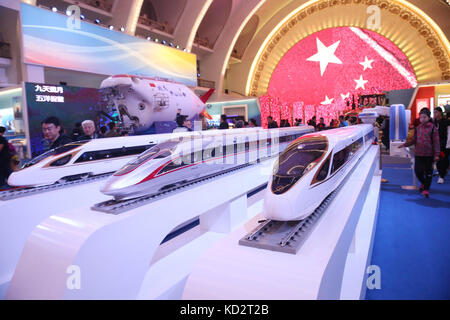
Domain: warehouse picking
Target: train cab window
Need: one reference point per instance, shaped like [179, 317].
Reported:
[323, 173]
[55, 152]
[298, 159]
[339, 159]
[161, 150]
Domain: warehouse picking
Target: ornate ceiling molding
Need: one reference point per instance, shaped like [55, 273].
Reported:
[411, 30]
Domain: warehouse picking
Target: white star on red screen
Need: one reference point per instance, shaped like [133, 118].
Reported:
[367, 64]
[345, 96]
[325, 55]
[360, 83]
[327, 100]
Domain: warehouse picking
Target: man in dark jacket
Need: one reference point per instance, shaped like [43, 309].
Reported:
[52, 132]
[442, 125]
[223, 122]
[271, 123]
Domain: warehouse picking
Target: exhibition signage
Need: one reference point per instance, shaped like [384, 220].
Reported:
[91, 48]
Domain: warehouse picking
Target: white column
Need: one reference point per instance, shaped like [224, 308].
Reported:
[126, 14]
[189, 22]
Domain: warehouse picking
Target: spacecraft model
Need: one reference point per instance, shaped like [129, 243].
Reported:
[141, 101]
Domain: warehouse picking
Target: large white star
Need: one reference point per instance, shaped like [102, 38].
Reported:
[360, 83]
[345, 96]
[367, 64]
[327, 100]
[325, 55]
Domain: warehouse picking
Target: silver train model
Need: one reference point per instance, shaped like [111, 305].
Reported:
[83, 159]
[183, 159]
[310, 168]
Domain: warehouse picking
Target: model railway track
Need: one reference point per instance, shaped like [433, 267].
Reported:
[25, 192]
[285, 236]
[121, 206]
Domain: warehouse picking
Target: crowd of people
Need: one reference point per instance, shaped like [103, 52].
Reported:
[343, 121]
[184, 124]
[55, 136]
[431, 138]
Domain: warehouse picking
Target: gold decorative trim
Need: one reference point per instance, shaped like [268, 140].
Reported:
[439, 51]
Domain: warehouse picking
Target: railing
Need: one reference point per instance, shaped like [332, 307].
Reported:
[203, 42]
[5, 50]
[99, 4]
[206, 83]
[155, 24]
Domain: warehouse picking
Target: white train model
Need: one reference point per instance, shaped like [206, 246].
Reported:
[310, 168]
[180, 160]
[83, 159]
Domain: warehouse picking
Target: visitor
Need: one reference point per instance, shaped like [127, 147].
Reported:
[426, 141]
[442, 125]
[271, 124]
[342, 122]
[312, 122]
[89, 131]
[224, 122]
[321, 125]
[184, 125]
[240, 124]
[51, 128]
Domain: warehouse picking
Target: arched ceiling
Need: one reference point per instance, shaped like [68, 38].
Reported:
[420, 28]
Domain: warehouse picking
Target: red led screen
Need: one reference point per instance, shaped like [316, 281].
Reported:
[320, 73]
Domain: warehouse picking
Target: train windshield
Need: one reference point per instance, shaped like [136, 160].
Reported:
[159, 151]
[54, 152]
[298, 159]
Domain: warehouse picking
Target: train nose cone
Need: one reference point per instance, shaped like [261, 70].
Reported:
[276, 208]
[113, 187]
[17, 179]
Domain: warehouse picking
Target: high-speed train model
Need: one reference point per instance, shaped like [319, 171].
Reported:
[310, 168]
[83, 159]
[183, 159]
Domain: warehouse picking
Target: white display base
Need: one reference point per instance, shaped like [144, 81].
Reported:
[229, 271]
[114, 253]
[175, 259]
[20, 216]
[360, 252]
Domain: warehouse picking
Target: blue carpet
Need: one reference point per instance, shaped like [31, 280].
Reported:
[412, 240]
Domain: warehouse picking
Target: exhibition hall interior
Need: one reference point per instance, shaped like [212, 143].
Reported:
[224, 150]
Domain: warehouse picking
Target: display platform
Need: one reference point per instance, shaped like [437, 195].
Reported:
[20, 216]
[114, 253]
[327, 266]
